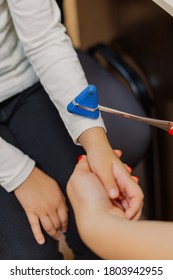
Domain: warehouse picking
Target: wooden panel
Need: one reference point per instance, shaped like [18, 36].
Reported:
[89, 22]
[72, 21]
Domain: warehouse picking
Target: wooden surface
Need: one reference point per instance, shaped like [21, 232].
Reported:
[89, 21]
[167, 5]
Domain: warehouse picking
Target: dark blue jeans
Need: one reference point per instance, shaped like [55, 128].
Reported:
[31, 122]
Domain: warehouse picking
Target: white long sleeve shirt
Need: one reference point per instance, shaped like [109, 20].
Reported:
[33, 47]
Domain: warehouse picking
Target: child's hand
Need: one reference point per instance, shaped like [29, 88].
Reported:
[44, 204]
[122, 200]
[112, 172]
[129, 194]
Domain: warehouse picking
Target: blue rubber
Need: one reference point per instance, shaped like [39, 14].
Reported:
[88, 98]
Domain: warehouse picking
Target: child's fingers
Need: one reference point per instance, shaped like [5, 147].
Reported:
[36, 229]
[109, 182]
[137, 216]
[117, 204]
[135, 207]
[49, 227]
[118, 153]
[125, 204]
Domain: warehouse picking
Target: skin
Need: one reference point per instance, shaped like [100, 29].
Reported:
[41, 190]
[108, 232]
[102, 161]
[46, 207]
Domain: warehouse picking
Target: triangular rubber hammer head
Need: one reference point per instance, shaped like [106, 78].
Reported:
[87, 99]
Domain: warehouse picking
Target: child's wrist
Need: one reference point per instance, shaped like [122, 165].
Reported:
[91, 138]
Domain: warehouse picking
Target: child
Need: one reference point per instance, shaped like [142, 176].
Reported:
[39, 75]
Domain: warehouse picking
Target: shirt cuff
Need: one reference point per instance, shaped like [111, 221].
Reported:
[21, 177]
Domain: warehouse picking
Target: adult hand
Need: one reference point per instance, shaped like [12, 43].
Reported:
[87, 194]
[44, 204]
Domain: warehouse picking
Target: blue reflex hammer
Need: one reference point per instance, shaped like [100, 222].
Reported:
[86, 105]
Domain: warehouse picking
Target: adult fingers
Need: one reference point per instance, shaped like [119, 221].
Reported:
[83, 164]
[118, 153]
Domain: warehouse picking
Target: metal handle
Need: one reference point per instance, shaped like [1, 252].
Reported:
[163, 124]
